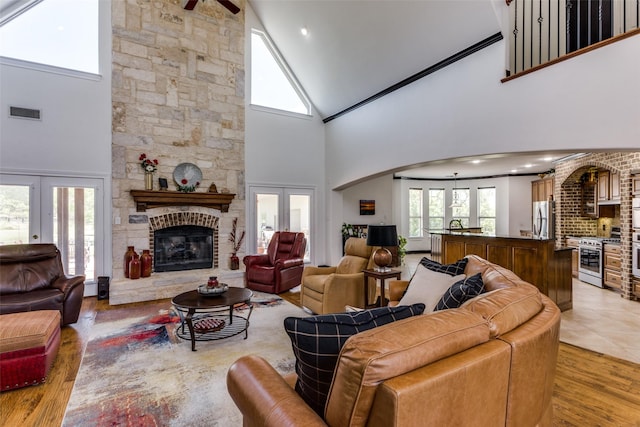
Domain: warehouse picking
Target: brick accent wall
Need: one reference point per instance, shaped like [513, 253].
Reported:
[569, 221]
[177, 96]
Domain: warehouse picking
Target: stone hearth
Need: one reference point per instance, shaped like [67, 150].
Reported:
[167, 285]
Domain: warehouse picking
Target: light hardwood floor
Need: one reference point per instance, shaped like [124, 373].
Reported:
[591, 389]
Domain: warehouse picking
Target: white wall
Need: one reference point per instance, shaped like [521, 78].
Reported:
[379, 189]
[284, 150]
[74, 136]
[465, 110]
[586, 103]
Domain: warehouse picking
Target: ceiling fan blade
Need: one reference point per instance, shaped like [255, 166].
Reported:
[232, 7]
[191, 4]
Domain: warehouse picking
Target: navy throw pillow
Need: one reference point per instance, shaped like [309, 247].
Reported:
[317, 341]
[460, 292]
[450, 269]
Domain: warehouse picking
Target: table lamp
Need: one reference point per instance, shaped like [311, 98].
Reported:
[382, 235]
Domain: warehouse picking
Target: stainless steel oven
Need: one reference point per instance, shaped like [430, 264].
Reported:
[635, 248]
[590, 261]
[635, 213]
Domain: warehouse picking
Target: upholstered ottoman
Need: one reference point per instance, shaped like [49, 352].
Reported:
[29, 343]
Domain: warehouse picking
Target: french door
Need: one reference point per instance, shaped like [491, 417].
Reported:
[279, 209]
[60, 210]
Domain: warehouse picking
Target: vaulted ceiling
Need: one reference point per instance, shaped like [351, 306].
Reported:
[356, 48]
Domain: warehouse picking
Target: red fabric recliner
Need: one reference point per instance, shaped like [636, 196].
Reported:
[280, 269]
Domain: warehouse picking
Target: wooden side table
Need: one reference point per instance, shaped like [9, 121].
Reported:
[378, 275]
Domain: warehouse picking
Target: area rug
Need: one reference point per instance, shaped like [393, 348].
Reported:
[137, 372]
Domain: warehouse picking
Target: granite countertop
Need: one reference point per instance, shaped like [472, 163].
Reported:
[497, 236]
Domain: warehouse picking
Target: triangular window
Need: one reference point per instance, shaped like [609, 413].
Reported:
[272, 84]
[59, 33]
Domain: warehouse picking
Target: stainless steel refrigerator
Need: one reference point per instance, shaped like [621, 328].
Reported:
[543, 220]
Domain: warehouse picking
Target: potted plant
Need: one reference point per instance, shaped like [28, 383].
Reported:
[402, 250]
[235, 261]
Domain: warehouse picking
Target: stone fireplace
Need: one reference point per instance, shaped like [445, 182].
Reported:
[178, 97]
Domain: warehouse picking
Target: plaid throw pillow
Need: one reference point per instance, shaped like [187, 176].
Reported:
[317, 341]
[450, 269]
[460, 292]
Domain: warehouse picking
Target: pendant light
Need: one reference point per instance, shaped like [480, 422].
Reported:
[456, 202]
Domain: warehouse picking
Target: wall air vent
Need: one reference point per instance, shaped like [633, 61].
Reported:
[24, 113]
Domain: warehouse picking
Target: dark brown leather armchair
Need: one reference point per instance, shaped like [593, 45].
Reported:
[32, 278]
[280, 269]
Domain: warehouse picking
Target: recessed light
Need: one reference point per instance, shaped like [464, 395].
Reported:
[475, 162]
[304, 31]
[528, 165]
[514, 170]
[548, 159]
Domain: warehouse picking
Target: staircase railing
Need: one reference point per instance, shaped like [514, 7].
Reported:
[541, 31]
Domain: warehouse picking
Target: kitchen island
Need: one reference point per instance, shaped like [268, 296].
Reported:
[536, 261]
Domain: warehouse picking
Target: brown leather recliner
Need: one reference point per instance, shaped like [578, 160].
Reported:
[280, 269]
[32, 278]
[329, 289]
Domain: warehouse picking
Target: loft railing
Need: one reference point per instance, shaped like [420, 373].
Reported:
[541, 31]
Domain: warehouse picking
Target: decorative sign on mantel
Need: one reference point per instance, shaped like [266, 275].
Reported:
[156, 199]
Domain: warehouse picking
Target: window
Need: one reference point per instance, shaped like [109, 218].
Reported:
[487, 209]
[272, 84]
[279, 209]
[59, 33]
[64, 211]
[460, 210]
[415, 212]
[436, 209]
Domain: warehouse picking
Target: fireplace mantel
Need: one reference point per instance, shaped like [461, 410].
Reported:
[148, 199]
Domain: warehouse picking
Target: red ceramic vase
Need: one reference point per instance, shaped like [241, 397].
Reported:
[234, 263]
[146, 263]
[128, 256]
[134, 267]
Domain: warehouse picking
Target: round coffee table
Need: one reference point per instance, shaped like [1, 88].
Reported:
[206, 315]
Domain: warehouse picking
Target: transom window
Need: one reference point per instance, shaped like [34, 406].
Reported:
[272, 84]
[58, 33]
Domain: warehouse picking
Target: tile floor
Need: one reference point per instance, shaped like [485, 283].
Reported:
[600, 320]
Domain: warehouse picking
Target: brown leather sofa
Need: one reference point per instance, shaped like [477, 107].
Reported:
[489, 363]
[32, 278]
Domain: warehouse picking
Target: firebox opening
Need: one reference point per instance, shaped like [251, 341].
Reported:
[184, 247]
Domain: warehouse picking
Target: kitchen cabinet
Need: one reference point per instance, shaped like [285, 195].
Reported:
[635, 185]
[589, 200]
[608, 187]
[575, 262]
[542, 190]
[636, 287]
[612, 266]
[534, 261]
